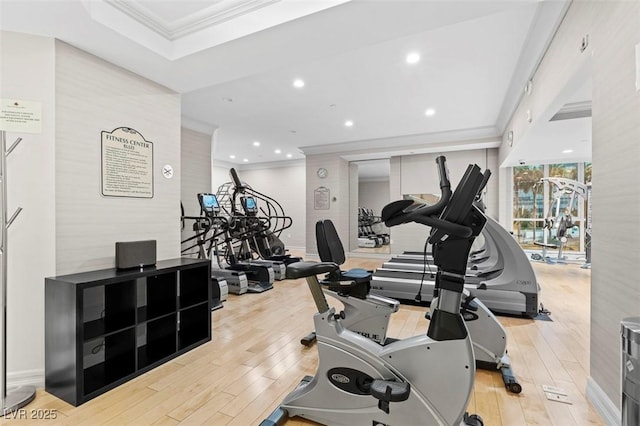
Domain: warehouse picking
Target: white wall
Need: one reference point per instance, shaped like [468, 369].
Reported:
[196, 170]
[195, 166]
[286, 184]
[27, 73]
[615, 292]
[66, 225]
[338, 182]
[220, 174]
[92, 96]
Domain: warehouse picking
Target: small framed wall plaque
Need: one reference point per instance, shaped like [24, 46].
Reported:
[321, 198]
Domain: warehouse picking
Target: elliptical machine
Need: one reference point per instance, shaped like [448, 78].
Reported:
[243, 277]
[360, 382]
[258, 233]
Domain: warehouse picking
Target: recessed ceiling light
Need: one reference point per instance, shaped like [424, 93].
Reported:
[227, 99]
[277, 151]
[256, 143]
[289, 155]
[413, 58]
[232, 156]
[245, 159]
[348, 123]
[567, 151]
[298, 83]
[430, 112]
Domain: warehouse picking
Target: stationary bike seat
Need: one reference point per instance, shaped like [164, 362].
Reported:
[307, 269]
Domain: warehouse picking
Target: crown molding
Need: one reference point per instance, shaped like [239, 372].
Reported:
[273, 164]
[573, 110]
[465, 139]
[215, 14]
[417, 140]
[218, 23]
[301, 162]
[467, 145]
[223, 164]
[375, 179]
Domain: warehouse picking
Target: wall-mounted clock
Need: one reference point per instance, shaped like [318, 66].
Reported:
[167, 171]
[322, 173]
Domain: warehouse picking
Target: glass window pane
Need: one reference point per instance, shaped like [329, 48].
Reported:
[567, 171]
[570, 236]
[529, 211]
[527, 232]
[528, 192]
[564, 170]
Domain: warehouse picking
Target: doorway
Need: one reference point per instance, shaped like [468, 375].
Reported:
[373, 194]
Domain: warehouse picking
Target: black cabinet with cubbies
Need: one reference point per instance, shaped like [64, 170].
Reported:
[105, 327]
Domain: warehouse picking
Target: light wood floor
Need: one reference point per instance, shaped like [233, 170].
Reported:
[255, 359]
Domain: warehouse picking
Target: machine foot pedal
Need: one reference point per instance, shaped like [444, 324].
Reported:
[308, 339]
[386, 391]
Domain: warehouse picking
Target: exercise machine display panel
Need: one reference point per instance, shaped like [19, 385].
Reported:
[209, 203]
[249, 205]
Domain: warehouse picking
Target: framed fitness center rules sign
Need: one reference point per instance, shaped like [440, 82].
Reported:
[127, 164]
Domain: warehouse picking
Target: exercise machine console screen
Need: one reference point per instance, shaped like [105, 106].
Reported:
[209, 203]
[249, 205]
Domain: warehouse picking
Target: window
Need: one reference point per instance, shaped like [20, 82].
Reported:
[542, 213]
[528, 204]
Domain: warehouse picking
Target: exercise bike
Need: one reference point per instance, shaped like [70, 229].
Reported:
[360, 382]
[369, 314]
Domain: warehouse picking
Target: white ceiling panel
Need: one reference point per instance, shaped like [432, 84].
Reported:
[234, 61]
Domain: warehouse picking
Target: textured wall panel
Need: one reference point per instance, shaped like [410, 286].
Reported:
[195, 168]
[94, 96]
[615, 291]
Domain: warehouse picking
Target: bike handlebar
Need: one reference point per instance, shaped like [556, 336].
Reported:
[403, 211]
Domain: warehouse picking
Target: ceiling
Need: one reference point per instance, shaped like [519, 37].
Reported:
[235, 61]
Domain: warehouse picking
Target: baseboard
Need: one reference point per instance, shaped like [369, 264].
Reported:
[384, 256]
[296, 248]
[604, 406]
[26, 378]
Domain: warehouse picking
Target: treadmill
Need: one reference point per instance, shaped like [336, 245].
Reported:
[502, 279]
